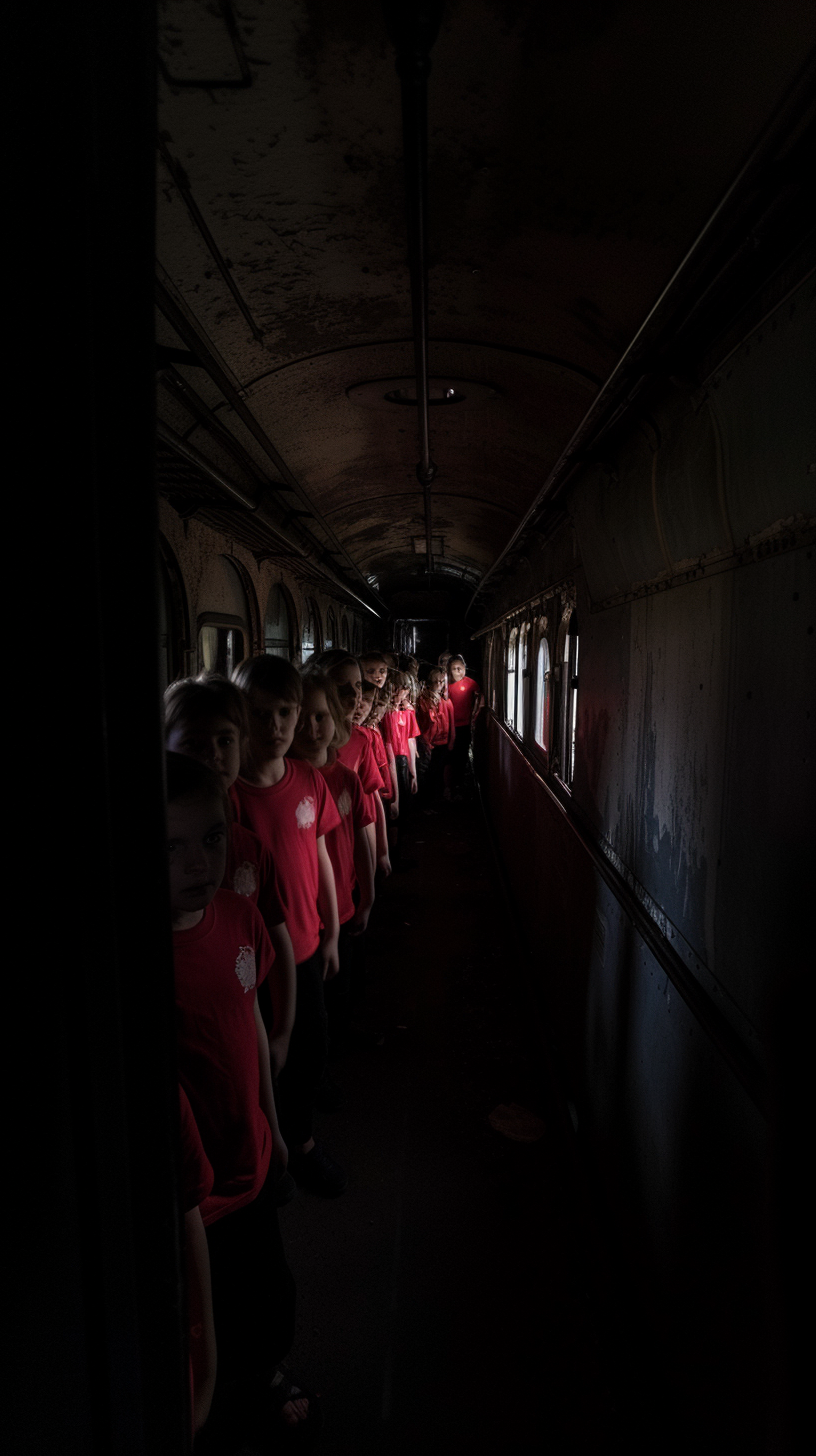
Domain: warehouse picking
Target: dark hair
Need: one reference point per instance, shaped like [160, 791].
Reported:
[457, 657]
[193, 699]
[269, 674]
[187, 778]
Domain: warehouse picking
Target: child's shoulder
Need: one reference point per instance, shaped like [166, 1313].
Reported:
[235, 914]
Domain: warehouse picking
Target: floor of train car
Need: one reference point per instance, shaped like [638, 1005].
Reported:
[455, 1298]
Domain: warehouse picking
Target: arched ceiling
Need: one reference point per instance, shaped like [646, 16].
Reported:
[575, 150]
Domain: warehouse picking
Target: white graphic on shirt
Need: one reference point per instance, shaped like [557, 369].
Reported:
[344, 803]
[245, 880]
[245, 967]
[305, 813]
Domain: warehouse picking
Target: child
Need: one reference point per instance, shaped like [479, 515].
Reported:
[289, 807]
[465, 695]
[435, 718]
[400, 730]
[206, 718]
[318, 740]
[320, 732]
[357, 752]
[375, 668]
[221, 954]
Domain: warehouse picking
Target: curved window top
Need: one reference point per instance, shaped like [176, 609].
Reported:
[278, 624]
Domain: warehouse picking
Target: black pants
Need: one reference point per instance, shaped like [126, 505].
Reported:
[253, 1290]
[459, 757]
[433, 784]
[306, 1062]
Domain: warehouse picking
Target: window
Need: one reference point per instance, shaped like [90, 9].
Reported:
[521, 684]
[569, 696]
[331, 631]
[510, 682]
[220, 647]
[543, 690]
[310, 641]
[278, 625]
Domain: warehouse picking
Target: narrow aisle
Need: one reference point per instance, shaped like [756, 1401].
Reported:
[444, 1301]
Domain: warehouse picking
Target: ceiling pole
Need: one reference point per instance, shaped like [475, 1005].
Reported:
[413, 29]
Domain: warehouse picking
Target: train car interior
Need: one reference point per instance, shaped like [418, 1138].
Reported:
[471, 326]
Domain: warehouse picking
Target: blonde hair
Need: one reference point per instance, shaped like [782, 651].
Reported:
[320, 682]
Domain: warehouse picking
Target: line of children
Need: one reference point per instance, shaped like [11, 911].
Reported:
[233, 1153]
[276, 792]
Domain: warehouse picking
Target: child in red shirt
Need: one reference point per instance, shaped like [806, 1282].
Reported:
[356, 752]
[287, 804]
[318, 739]
[435, 718]
[221, 954]
[465, 695]
[206, 718]
[400, 728]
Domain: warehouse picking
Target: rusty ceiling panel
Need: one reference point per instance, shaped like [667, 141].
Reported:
[574, 152]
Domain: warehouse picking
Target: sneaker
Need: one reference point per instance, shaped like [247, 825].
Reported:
[318, 1173]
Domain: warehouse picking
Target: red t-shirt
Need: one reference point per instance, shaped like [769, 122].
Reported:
[381, 757]
[218, 965]
[398, 728]
[289, 818]
[463, 695]
[435, 721]
[358, 754]
[354, 811]
[250, 872]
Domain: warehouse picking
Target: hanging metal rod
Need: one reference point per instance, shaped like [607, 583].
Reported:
[413, 29]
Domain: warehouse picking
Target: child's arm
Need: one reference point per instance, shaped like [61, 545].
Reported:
[392, 768]
[282, 984]
[266, 1096]
[382, 859]
[412, 763]
[327, 906]
[200, 1315]
[364, 870]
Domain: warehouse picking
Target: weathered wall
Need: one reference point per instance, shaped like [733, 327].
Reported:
[694, 770]
[198, 549]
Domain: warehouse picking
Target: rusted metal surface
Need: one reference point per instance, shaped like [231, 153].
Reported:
[566, 177]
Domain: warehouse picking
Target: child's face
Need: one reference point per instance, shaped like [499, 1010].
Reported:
[213, 741]
[349, 687]
[375, 672]
[363, 710]
[197, 855]
[456, 671]
[400, 699]
[272, 724]
[316, 727]
[436, 682]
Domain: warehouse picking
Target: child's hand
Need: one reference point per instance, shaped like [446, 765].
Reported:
[331, 959]
[278, 1052]
[360, 921]
[414, 785]
[393, 810]
[280, 1153]
[384, 864]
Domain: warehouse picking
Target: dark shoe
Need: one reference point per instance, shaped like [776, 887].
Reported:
[285, 1190]
[318, 1173]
